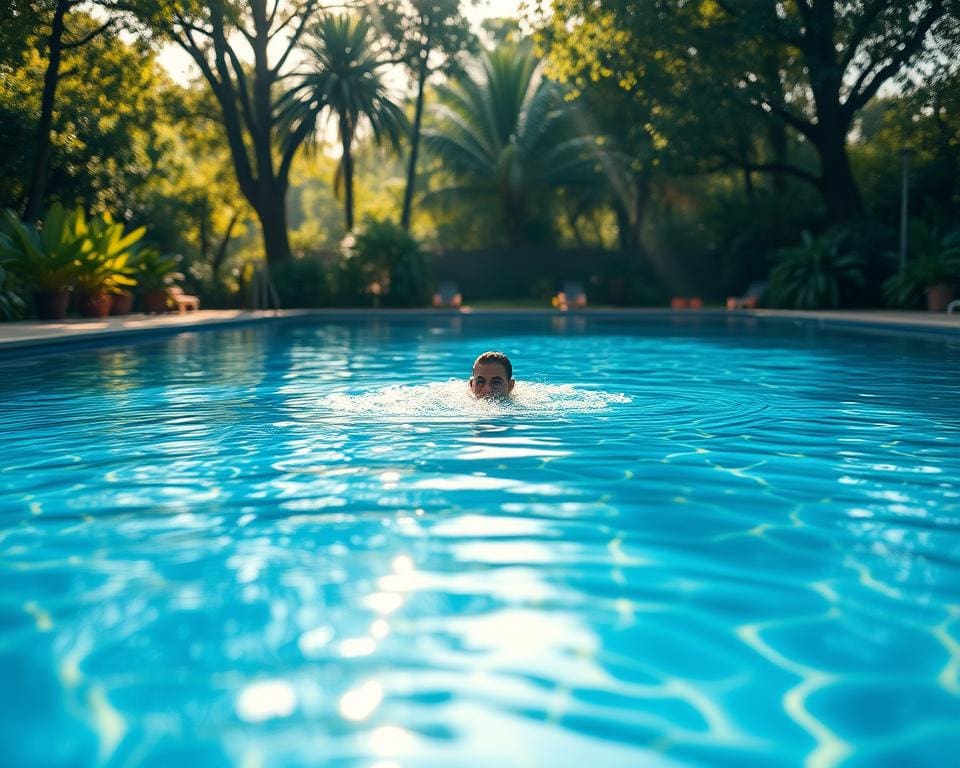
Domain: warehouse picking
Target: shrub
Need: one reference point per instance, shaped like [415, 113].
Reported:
[815, 273]
[385, 258]
[302, 282]
[11, 305]
[934, 260]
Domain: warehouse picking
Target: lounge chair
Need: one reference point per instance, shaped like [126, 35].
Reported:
[184, 301]
[750, 299]
[447, 295]
[571, 296]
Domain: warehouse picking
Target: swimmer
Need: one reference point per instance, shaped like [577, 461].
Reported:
[492, 376]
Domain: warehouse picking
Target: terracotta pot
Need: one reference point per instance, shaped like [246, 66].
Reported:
[51, 305]
[122, 303]
[939, 297]
[95, 304]
[154, 301]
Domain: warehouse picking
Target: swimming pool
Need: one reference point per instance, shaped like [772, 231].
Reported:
[686, 542]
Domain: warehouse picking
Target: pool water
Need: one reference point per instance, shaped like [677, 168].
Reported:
[684, 542]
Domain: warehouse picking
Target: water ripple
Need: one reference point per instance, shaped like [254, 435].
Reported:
[679, 543]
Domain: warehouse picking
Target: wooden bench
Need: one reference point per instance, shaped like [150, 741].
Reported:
[184, 301]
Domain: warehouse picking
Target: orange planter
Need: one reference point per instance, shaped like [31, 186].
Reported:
[122, 303]
[95, 304]
[939, 297]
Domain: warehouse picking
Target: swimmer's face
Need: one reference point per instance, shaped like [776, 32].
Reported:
[490, 380]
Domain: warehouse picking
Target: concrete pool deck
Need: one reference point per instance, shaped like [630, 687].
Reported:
[32, 333]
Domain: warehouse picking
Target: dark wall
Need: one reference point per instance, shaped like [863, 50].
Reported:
[614, 277]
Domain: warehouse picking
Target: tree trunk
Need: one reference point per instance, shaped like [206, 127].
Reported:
[841, 196]
[220, 256]
[777, 137]
[346, 161]
[414, 147]
[574, 226]
[43, 148]
[272, 212]
[248, 118]
[748, 183]
[630, 219]
[204, 219]
[626, 233]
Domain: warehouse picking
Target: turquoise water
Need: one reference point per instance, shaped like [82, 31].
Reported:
[694, 542]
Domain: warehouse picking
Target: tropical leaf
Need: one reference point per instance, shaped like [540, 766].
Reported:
[343, 78]
[507, 139]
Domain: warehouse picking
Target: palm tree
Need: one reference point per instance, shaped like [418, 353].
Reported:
[507, 137]
[344, 78]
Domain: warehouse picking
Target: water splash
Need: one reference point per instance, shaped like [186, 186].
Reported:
[452, 399]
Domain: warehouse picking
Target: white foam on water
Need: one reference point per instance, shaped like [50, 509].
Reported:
[453, 399]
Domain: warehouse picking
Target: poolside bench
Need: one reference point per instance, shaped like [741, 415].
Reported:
[184, 301]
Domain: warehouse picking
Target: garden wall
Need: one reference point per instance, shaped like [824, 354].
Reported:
[615, 277]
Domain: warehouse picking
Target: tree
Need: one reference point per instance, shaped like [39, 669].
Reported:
[428, 36]
[193, 204]
[248, 96]
[344, 77]
[507, 137]
[58, 42]
[104, 130]
[825, 61]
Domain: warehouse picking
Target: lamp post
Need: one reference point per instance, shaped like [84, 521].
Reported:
[905, 153]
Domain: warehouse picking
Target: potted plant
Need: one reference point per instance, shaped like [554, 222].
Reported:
[46, 260]
[155, 273]
[105, 269]
[932, 272]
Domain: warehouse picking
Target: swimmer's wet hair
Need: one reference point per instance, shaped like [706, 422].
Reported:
[496, 357]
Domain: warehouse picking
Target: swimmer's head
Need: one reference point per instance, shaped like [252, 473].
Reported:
[492, 375]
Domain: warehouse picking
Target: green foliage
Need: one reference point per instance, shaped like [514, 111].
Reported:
[302, 282]
[385, 260]
[432, 34]
[813, 274]
[106, 262]
[925, 119]
[69, 251]
[507, 138]
[155, 271]
[105, 123]
[345, 78]
[745, 76]
[934, 260]
[45, 258]
[12, 305]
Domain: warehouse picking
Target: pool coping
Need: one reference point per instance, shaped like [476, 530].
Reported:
[28, 334]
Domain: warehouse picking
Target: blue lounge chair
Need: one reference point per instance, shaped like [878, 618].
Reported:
[447, 295]
[571, 296]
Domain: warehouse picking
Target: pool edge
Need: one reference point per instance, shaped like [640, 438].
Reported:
[26, 336]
